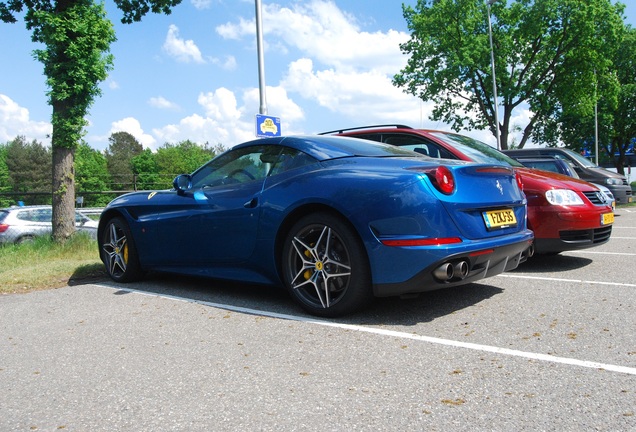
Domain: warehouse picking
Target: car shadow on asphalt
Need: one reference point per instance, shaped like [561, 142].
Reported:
[552, 263]
[424, 307]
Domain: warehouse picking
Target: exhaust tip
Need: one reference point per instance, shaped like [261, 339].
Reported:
[460, 269]
[444, 272]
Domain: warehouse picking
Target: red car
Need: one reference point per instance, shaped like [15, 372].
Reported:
[565, 213]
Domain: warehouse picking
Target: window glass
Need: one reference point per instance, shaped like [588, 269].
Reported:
[35, 215]
[290, 159]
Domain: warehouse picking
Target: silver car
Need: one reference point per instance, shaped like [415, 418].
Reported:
[20, 224]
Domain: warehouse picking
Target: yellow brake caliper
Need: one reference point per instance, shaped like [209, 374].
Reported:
[308, 272]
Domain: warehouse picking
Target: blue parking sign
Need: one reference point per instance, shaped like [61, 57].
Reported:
[267, 126]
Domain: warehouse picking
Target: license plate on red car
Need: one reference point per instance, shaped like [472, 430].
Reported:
[498, 219]
[607, 218]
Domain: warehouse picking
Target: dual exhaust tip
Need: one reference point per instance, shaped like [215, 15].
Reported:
[449, 271]
[459, 270]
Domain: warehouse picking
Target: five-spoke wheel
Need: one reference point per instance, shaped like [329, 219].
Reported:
[325, 266]
[118, 252]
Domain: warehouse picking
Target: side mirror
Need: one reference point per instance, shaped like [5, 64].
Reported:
[182, 183]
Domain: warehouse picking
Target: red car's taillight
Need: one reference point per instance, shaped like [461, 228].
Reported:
[519, 182]
[3, 227]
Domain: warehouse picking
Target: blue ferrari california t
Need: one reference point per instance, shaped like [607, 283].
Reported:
[337, 221]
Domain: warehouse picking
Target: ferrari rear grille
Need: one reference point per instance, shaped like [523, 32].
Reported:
[595, 198]
[594, 236]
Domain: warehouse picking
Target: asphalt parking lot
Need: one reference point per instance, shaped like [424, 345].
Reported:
[549, 346]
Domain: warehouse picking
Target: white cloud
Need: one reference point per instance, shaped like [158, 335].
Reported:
[182, 50]
[278, 104]
[220, 105]
[341, 68]
[229, 63]
[321, 30]
[220, 123]
[236, 31]
[162, 103]
[133, 127]
[226, 122]
[15, 121]
[365, 96]
[201, 4]
[202, 130]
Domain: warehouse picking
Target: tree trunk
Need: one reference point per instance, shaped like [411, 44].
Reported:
[63, 193]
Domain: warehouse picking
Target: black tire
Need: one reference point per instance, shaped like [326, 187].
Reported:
[119, 253]
[25, 239]
[322, 251]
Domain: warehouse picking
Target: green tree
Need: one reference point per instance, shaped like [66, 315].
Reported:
[184, 157]
[145, 170]
[91, 176]
[616, 95]
[29, 169]
[77, 36]
[547, 53]
[121, 150]
[5, 186]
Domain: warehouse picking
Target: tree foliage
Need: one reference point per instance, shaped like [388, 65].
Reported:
[76, 56]
[184, 157]
[25, 167]
[547, 53]
[616, 95]
[4, 178]
[91, 175]
[28, 171]
[144, 168]
[121, 150]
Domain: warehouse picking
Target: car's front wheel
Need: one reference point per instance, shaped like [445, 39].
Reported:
[119, 253]
[325, 266]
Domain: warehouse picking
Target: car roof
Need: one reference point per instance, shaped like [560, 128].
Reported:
[333, 147]
[27, 207]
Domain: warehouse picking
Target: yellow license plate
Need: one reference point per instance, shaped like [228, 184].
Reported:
[499, 219]
[607, 218]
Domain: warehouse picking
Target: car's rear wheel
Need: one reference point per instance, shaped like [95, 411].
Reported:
[325, 266]
[119, 253]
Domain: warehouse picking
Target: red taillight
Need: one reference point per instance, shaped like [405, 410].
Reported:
[3, 227]
[483, 252]
[422, 241]
[444, 180]
[519, 181]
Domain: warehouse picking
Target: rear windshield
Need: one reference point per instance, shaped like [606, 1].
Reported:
[363, 147]
[476, 150]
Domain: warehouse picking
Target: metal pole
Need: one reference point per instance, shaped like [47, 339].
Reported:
[596, 116]
[261, 62]
[494, 80]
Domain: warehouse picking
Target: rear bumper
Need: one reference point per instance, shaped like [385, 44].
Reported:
[481, 264]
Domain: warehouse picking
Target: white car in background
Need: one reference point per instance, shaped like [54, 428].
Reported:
[20, 224]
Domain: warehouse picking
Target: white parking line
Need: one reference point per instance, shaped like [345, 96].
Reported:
[567, 280]
[603, 253]
[399, 335]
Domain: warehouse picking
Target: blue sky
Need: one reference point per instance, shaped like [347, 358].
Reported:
[193, 74]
